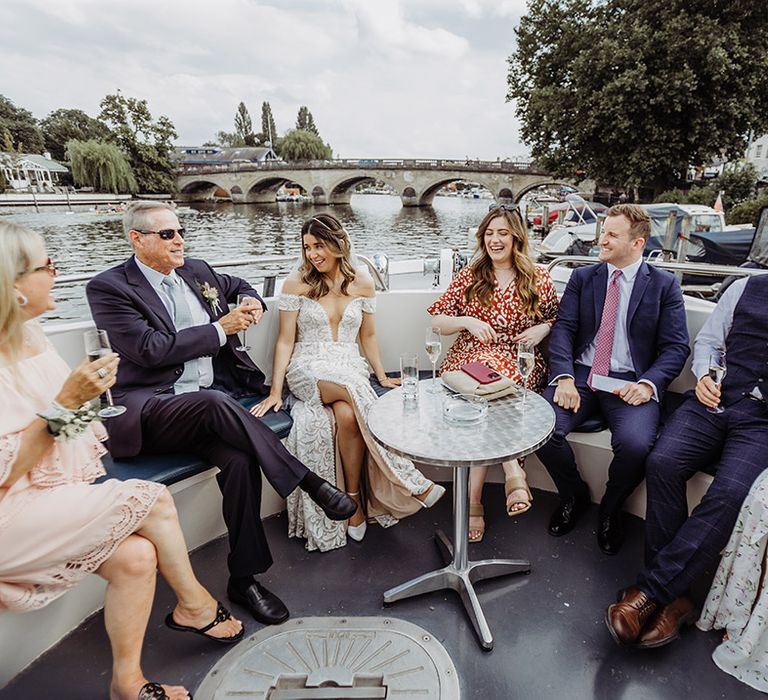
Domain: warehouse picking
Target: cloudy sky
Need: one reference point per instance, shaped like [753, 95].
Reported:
[383, 78]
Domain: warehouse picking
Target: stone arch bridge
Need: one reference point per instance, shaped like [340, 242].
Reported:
[333, 181]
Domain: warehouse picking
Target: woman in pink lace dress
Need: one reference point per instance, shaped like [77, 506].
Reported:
[56, 527]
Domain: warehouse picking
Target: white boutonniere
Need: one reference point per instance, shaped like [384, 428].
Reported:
[211, 295]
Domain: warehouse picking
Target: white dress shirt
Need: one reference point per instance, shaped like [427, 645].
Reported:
[716, 328]
[199, 314]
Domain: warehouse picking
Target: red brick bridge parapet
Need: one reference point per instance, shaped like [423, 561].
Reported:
[333, 181]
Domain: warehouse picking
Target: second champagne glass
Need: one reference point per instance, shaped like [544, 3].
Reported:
[525, 360]
[434, 346]
[96, 346]
[717, 371]
[244, 300]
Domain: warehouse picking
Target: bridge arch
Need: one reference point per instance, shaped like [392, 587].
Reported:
[340, 192]
[427, 196]
[202, 190]
[542, 182]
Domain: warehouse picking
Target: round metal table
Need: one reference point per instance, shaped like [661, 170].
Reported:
[417, 430]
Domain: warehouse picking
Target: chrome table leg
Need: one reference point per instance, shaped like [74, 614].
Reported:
[460, 573]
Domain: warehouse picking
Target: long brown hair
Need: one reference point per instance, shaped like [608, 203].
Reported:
[328, 229]
[526, 275]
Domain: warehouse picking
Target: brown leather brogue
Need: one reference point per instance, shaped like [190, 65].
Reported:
[664, 627]
[626, 619]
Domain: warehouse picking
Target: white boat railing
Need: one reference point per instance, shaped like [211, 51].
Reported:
[261, 260]
[688, 268]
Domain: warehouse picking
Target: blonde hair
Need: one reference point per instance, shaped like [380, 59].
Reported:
[20, 250]
[136, 215]
[329, 230]
[526, 274]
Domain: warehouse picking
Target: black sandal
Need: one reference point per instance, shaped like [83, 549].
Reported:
[154, 691]
[222, 615]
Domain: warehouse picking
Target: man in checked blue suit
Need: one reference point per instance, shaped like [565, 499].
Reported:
[620, 338]
[180, 376]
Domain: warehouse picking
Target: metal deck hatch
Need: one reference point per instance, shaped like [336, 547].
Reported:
[335, 658]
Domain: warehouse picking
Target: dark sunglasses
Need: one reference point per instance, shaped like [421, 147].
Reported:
[167, 234]
[49, 267]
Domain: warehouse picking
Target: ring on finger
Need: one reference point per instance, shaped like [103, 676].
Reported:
[102, 372]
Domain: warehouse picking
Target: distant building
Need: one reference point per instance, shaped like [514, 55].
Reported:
[29, 170]
[192, 156]
[757, 154]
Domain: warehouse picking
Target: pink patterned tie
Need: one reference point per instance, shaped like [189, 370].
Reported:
[601, 364]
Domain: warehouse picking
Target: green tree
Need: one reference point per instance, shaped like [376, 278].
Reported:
[632, 92]
[738, 183]
[229, 139]
[244, 125]
[268, 133]
[304, 145]
[145, 141]
[21, 125]
[305, 121]
[64, 125]
[100, 165]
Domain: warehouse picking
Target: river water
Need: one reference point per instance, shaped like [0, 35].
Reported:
[88, 242]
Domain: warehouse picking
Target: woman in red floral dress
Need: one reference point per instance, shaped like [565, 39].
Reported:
[501, 298]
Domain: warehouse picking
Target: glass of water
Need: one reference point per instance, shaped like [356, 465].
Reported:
[717, 370]
[525, 360]
[97, 345]
[409, 376]
[434, 347]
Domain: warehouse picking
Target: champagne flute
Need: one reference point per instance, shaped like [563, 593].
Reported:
[244, 300]
[525, 361]
[434, 347]
[96, 346]
[717, 371]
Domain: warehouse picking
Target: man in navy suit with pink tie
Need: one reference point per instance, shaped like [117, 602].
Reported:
[619, 340]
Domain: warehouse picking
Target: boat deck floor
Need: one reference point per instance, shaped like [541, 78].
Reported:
[550, 638]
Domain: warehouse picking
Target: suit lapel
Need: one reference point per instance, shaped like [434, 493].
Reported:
[147, 293]
[195, 282]
[641, 282]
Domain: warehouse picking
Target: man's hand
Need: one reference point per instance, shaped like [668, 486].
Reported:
[236, 320]
[707, 392]
[253, 305]
[635, 394]
[567, 395]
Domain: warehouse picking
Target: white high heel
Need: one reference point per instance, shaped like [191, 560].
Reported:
[357, 532]
[436, 493]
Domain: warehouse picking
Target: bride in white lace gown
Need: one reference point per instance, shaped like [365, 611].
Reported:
[324, 308]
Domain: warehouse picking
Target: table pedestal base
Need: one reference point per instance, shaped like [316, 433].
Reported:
[460, 574]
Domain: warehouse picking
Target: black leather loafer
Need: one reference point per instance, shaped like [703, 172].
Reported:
[264, 605]
[336, 504]
[566, 514]
[610, 532]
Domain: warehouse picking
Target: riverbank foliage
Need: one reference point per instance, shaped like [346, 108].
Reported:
[632, 93]
[737, 187]
[298, 144]
[147, 142]
[102, 166]
[20, 126]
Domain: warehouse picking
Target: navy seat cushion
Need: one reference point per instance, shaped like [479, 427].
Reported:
[170, 468]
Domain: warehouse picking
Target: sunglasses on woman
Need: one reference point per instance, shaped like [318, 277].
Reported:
[49, 267]
[167, 234]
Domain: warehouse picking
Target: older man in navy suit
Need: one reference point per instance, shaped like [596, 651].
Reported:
[619, 340]
[180, 375]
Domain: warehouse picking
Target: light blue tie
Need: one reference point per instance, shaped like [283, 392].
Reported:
[182, 318]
